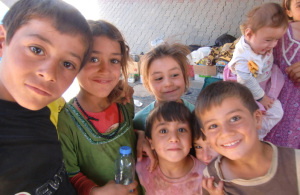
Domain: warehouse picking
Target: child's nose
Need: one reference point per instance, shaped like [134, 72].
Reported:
[173, 137]
[226, 129]
[49, 70]
[206, 154]
[104, 66]
[168, 82]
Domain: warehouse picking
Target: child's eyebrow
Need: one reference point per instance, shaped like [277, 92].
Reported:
[98, 52]
[50, 43]
[168, 70]
[235, 110]
[76, 56]
[230, 112]
[41, 38]
[160, 124]
[155, 73]
[174, 68]
[208, 121]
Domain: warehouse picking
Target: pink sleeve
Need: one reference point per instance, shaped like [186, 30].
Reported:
[141, 170]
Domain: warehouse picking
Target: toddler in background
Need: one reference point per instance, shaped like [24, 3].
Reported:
[164, 71]
[170, 135]
[203, 149]
[252, 62]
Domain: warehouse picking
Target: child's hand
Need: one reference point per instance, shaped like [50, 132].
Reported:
[117, 189]
[266, 102]
[143, 147]
[208, 184]
[294, 71]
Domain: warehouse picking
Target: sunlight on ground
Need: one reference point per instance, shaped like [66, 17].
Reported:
[90, 10]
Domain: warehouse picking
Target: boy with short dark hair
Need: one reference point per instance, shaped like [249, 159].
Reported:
[43, 45]
[231, 119]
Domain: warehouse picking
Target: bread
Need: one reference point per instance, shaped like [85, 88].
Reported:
[253, 68]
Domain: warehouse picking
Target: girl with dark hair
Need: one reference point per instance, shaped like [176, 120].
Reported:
[95, 124]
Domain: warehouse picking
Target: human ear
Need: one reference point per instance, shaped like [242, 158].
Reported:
[248, 33]
[150, 141]
[289, 13]
[2, 39]
[258, 119]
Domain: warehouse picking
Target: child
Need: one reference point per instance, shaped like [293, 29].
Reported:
[230, 119]
[252, 61]
[43, 44]
[164, 71]
[170, 135]
[94, 125]
[287, 56]
[203, 150]
[292, 8]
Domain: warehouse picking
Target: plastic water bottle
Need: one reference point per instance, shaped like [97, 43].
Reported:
[124, 167]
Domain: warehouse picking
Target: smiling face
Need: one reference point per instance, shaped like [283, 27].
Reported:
[38, 64]
[166, 80]
[204, 151]
[264, 39]
[231, 129]
[294, 11]
[171, 140]
[101, 73]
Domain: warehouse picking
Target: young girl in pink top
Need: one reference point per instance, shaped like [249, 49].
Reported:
[170, 135]
[287, 56]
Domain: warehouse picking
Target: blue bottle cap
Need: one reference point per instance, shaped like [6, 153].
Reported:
[125, 150]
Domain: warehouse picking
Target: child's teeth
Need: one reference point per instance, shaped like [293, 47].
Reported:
[232, 143]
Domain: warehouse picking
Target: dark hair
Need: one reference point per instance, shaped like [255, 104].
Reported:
[196, 128]
[103, 28]
[267, 15]
[215, 93]
[177, 51]
[169, 111]
[65, 18]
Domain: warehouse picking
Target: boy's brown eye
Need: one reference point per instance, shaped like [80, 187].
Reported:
[236, 118]
[68, 65]
[36, 50]
[163, 131]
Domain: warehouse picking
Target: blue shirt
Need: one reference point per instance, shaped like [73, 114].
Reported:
[139, 121]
